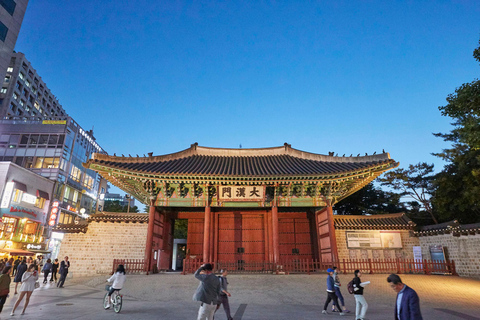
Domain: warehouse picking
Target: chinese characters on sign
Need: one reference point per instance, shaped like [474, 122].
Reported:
[246, 193]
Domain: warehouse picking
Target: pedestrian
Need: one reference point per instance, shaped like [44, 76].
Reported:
[47, 268]
[207, 292]
[54, 270]
[22, 267]
[361, 304]
[407, 306]
[64, 266]
[15, 265]
[223, 298]
[29, 261]
[9, 263]
[4, 286]
[28, 285]
[330, 292]
[337, 284]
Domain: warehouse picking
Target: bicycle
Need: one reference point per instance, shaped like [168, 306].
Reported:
[115, 299]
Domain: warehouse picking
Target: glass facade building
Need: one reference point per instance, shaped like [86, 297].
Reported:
[55, 148]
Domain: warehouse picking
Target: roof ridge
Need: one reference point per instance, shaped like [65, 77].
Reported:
[286, 149]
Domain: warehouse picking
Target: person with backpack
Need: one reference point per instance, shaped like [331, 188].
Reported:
[223, 297]
[337, 285]
[361, 304]
[330, 292]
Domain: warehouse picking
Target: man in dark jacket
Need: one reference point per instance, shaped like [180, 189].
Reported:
[407, 306]
[64, 266]
[207, 292]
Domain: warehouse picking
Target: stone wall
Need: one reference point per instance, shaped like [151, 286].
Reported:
[408, 242]
[93, 252]
[464, 250]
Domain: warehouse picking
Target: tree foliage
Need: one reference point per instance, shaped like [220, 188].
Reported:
[415, 183]
[458, 185]
[369, 200]
[115, 206]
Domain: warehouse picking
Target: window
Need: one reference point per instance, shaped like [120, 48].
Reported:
[8, 5]
[15, 96]
[51, 163]
[17, 196]
[37, 106]
[3, 31]
[9, 225]
[7, 78]
[9, 69]
[19, 86]
[75, 173]
[13, 107]
[27, 83]
[30, 227]
[21, 76]
[22, 102]
[88, 181]
[38, 163]
[3, 90]
[40, 203]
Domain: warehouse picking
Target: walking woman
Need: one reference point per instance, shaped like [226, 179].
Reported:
[28, 285]
[54, 270]
[4, 286]
[22, 267]
[46, 270]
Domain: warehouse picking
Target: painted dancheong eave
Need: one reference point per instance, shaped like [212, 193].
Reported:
[193, 177]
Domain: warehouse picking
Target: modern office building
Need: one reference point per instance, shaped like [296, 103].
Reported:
[25, 199]
[11, 17]
[23, 92]
[56, 149]
[122, 200]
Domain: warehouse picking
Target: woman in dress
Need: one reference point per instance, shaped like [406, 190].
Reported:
[28, 285]
[22, 267]
[4, 286]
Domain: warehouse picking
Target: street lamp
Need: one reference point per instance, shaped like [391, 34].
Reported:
[127, 196]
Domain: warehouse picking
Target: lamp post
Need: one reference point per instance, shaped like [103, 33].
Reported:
[127, 196]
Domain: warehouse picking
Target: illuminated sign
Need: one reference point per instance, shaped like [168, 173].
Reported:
[54, 122]
[53, 214]
[7, 195]
[28, 198]
[34, 246]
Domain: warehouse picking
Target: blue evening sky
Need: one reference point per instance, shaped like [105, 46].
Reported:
[344, 76]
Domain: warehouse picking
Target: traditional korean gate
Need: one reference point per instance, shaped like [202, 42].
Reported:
[241, 237]
[294, 236]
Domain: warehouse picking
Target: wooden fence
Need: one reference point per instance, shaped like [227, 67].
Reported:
[131, 265]
[309, 266]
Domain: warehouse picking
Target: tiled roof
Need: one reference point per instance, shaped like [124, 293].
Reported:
[394, 221]
[279, 161]
[119, 217]
[71, 228]
[451, 227]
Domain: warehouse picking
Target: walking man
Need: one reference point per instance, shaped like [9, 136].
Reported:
[407, 306]
[64, 266]
[330, 292]
[207, 292]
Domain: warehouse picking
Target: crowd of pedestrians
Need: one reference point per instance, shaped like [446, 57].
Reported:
[212, 293]
[25, 271]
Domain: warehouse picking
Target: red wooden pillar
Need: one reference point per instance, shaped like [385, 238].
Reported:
[333, 237]
[266, 237]
[149, 249]
[275, 239]
[212, 236]
[206, 233]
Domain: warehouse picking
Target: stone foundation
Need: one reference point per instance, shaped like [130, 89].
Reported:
[93, 252]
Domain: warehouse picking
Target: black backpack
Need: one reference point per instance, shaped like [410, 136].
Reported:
[350, 287]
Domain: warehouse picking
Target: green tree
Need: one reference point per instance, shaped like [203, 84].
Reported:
[115, 206]
[369, 200]
[415, 183]
[458, 185]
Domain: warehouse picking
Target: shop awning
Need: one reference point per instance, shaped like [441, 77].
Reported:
[43, 194]
[39, 251]
[20, 186]
[18, 252]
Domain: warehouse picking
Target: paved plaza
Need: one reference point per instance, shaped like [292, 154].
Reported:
[169, 296]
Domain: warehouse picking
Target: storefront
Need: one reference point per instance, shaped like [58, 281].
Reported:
[24, 207]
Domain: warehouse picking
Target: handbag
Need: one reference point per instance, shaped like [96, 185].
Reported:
[37, 285]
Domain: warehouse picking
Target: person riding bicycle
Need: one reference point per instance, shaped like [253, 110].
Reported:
[118, 279]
